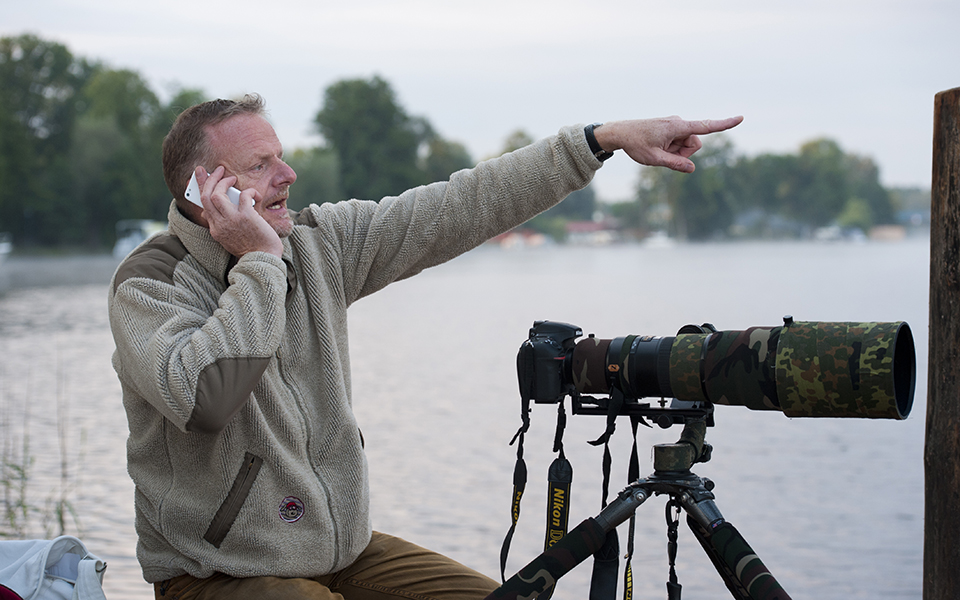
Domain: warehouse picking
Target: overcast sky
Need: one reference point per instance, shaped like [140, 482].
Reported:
[862, 72]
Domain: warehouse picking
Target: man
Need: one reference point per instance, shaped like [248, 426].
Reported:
[231, 337]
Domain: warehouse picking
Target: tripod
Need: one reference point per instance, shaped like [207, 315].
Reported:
[741, 569]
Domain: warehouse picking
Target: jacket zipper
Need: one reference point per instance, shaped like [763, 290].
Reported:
[309, 433]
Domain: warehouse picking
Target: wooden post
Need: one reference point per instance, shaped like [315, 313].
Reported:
[941, 545]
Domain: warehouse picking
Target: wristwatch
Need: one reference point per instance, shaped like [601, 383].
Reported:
[599, 152]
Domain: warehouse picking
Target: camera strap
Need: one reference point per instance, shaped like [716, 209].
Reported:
[519, 485]
[673, 521]
[633, 474]
[559, 480]
[603, 584]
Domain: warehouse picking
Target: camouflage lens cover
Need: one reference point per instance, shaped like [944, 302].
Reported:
[726, 367]
[841, 369]
[589, 366]
[685, 358]
[805, 369]
[739, 368]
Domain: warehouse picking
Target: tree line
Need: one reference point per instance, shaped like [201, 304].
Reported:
[80, 146]
[80, 150]
[769, 195]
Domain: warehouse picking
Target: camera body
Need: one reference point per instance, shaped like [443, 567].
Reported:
[543, 363]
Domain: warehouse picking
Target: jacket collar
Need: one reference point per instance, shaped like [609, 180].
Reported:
[200, 244]
[208, 251]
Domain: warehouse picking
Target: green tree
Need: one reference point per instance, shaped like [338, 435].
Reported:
[765, 181]
[124, 97]
[863, 180]
[116, 154]
[380, 149]
[376, 142]
[702, 204]
[39, 83]
[856, 214]
[79, 145]
[820, 188]
[39, 103]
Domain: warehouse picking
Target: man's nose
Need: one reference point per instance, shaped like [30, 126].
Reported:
[286, 176]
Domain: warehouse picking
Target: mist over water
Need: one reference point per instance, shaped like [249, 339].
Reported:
[833, 506]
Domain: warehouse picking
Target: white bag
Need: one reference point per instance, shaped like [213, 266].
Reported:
[60, 568]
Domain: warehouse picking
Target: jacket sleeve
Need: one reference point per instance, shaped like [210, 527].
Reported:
[381, 242]
[189, 349]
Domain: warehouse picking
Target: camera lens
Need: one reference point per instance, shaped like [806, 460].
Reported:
[804, 369]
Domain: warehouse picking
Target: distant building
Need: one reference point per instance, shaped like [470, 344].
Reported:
[592, 233]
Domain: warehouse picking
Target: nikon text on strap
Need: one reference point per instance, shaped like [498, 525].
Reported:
[519, 484]
[559, 480]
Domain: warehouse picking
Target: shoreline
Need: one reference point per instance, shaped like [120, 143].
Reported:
[21, 272]
[36, 271]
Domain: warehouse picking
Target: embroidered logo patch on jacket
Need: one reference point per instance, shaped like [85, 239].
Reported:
[291, 509]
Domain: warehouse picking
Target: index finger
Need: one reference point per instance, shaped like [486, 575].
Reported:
[706, 126]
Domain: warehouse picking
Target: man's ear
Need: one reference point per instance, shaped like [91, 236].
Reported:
[192, 212]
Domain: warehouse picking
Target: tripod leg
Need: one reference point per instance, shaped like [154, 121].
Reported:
[544, 571]
[746, 576]
[572, 549]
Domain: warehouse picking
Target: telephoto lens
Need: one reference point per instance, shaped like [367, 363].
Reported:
[804, 369]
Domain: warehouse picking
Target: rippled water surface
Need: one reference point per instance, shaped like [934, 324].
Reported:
[834, 507]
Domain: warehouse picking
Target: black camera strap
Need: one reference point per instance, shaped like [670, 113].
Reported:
[559, 480]
[519, 485]
[633, 474]
[673, 521]
[603, 583]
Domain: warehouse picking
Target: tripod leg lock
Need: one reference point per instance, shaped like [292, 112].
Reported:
[622, 507]
[702, 508]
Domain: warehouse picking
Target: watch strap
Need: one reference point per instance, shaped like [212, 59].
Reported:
[595, 148]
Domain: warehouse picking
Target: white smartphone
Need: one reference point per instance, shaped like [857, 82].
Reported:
[193, 192]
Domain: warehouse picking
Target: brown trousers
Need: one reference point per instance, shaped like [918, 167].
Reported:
[389, 568]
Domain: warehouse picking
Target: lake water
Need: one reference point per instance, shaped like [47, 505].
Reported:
[834, 506]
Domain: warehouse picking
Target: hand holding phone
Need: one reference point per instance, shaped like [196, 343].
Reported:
[193, 192]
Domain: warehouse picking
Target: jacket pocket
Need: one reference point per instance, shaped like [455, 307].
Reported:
[228, 511]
